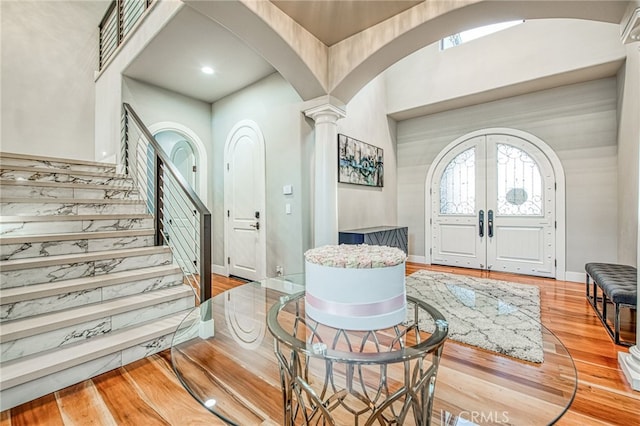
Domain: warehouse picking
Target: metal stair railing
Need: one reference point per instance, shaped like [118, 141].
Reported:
[119, 20]
[182, 221]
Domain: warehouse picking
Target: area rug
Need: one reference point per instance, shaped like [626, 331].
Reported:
[498, 316]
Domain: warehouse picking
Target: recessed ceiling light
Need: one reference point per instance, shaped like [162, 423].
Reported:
[207, 70]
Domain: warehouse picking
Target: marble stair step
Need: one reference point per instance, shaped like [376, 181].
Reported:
[37, 174]
[37, 190]
[66, 330]
[86, 321]
[28, 369]
[69, 206]
[24, 160]
[35, 225]
[59, 288]
[21, 272]
[29, 246]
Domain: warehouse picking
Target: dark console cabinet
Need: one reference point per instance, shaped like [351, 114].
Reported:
[392, 236]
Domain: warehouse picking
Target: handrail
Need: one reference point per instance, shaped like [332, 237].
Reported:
[165, 174]
[193, 197]
[107, 13]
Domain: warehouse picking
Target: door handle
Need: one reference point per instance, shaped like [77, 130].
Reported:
[481, 223]
[257, 226]
[490, 223]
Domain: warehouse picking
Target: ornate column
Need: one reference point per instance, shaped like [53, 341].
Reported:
[325, 206]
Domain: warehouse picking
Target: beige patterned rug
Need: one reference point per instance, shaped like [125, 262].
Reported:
[498, 316]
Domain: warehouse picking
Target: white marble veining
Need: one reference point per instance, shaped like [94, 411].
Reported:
[15, 191]
[37, 209]
[45, 274]
[44, 305]
[77, 192]
[69, 177]
[41, 227]
[52, 164]
[17, 278]
[100, 244]
[53, 339]
[132, 262]
[146, 349]
[142, 286]
[111, 208]
[117, 224]
[67, 192]
[151, 312]
[67, 208]
[110, 194]
[41, 249]
[19, 394]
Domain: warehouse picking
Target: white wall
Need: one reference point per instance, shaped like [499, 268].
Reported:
[362, 206]
[577, 121]
[273, 104]
[49, 54]
[535, 55]
[628, 155]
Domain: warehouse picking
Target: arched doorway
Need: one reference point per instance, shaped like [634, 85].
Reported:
[495, 201]
[186, 150]
[188, 155]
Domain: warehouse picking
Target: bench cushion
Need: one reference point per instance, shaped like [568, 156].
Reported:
[619, 282]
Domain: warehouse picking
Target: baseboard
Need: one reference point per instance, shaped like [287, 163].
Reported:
[577, 277]
[417, 259]
[219, 270]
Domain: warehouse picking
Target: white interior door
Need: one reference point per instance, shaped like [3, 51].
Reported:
[185, 160]
[245, 203]
[493, 207]
[182, 220]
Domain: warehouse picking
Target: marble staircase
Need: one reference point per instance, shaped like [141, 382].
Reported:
[83, 289]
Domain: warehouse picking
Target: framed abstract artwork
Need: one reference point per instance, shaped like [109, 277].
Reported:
[359, 163]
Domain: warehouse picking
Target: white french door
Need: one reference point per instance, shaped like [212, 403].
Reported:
[493, 207]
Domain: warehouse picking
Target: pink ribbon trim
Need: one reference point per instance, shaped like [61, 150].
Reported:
[357, 309]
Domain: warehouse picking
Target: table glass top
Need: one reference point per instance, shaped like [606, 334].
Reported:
[234, 371]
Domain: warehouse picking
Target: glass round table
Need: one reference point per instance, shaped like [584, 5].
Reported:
[232, 369]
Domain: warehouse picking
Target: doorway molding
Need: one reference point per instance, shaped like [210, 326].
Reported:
[558, 170]
[198, 148]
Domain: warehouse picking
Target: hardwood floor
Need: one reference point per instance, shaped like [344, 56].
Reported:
[147, 392]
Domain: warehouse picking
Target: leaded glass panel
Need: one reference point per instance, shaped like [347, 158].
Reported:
[458, 184]
[520, 191]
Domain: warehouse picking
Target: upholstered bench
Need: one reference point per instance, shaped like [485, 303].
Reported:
[619, 285]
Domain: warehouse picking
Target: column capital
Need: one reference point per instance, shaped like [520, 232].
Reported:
[630, 25]
[325, 112]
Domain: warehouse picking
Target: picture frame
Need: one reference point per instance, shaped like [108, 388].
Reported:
[360, 163]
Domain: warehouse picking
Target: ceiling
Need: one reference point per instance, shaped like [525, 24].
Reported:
[347, 17]
[174, 58]
[190, 41]
[168, 63]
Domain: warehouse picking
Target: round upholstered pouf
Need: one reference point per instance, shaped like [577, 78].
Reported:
[355, 287]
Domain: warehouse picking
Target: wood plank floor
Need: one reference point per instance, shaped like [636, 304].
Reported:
[147, 392]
